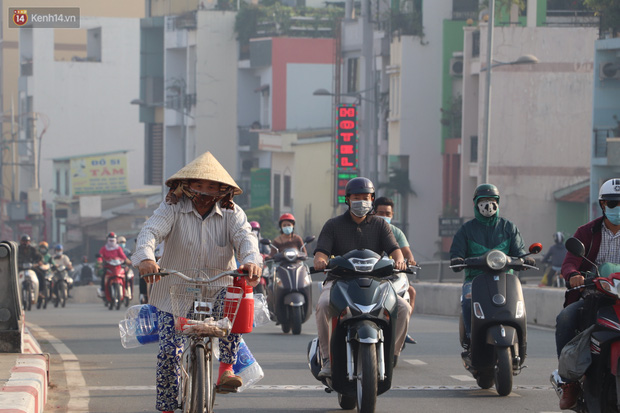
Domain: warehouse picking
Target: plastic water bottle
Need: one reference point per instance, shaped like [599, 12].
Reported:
[247, 367]
[139, 326]
[261, 312]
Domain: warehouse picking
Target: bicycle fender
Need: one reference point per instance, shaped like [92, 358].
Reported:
[366, 332]
[294, 299]
[500, 335]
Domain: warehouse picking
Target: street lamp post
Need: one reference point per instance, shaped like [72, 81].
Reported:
[526, 59]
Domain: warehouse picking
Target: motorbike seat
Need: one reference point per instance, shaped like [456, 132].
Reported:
[364, 282]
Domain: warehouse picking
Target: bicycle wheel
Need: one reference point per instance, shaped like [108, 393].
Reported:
[197, 404]
[209, 384]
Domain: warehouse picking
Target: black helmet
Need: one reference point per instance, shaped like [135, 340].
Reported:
[25, 238]
[360, 185]
[486, 191]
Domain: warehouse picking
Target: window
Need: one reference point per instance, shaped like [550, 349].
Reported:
[154, 150]
[473, 149]
[287, 191]
[353, 75]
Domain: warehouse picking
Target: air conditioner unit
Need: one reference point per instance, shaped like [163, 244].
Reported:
[609, 70]
[456, 66]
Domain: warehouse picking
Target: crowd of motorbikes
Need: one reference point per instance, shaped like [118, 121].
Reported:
[55, 287]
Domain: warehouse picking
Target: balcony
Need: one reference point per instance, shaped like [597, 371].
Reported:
[607, 145]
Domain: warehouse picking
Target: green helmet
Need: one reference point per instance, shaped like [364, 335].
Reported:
[486, 191]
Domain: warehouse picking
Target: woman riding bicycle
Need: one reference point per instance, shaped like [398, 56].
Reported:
[203, 229]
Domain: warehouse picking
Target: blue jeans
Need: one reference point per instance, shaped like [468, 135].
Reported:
[566, 324]
[466, 307]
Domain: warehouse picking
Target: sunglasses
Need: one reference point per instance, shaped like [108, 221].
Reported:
[611, 204]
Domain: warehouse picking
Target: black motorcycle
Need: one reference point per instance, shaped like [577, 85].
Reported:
[601, 382]
[498, 343]
[362, 343]
[61, 282]
[289, 294]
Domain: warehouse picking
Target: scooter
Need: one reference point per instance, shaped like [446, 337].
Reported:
[498, 343]
[362, 342]
[290, 296]
[114, 284]
[601, 382]
[129, 288]
[30, 285]
[61, 281]
[262, 286]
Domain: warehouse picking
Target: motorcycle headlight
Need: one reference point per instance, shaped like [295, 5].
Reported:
[496, 260]
[290, 255]
[363, 264]
[520, 312]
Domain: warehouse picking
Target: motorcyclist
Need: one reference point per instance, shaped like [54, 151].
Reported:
[264, 249]
[554, 257]
[602, 244]
[485, 232]
[59, 258]
[110, 251]
[42, 269]
[122, 242]
[26, 253]
[356, 228]
[384, 208]
[287, 237]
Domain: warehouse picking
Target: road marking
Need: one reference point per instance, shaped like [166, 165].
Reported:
[416, 362]
[463, 377]
[278, 387]
[78, 392]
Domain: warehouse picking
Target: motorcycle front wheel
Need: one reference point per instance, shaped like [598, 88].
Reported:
[346, 402]
[62, 293]
[503, 371]
[296, 320]
[26, 293]
[117, 294]
[367, 379]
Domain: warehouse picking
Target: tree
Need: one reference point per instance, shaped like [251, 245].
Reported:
[609, 10]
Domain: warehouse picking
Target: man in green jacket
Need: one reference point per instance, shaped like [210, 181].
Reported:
[485, 232]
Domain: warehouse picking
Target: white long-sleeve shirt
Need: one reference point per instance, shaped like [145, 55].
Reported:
[194, 243]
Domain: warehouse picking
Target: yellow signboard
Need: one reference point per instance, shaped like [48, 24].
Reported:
[101, 174]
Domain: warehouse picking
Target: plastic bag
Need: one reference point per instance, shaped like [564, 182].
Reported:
[575, 357]
[261, 311]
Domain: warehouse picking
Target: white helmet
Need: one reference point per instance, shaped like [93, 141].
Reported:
[558, 237]
[610, 190]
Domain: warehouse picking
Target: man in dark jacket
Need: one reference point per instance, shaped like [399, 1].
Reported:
[602, 244]
[555, 256]
[485, 232]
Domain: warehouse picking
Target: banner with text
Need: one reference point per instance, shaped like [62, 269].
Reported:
[101, 174]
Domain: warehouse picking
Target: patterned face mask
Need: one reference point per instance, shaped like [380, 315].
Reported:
[487, 208]
[361, 208]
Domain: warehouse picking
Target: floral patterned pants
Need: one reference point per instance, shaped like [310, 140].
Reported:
[171, 347]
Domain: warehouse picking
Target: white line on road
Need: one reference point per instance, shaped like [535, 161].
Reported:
[78, 392]
[277, 387]
[463, 378]
[416, 362]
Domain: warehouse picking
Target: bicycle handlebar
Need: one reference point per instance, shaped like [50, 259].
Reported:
[179, 274]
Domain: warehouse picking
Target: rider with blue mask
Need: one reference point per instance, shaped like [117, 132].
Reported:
[287, 237]
[601, 238]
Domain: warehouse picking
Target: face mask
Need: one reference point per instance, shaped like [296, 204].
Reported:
[203, 199]
[287, 230]
[58, 254]
[487, 208]
[387, 219]
[361, 208]
[613, 215]
[111, 243]
[43, 251]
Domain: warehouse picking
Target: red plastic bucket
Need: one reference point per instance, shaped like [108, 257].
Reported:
[245, 315]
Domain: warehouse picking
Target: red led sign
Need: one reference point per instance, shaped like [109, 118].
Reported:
[346, 144]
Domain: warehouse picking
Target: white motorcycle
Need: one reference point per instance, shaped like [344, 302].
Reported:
[30, 285]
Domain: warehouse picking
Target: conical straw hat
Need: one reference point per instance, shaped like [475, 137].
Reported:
[205, 167]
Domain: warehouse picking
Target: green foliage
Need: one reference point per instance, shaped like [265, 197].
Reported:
[503, 6]
[407, 23]
[452, 116]
[276, 19]
[264, 216]
[609, 10]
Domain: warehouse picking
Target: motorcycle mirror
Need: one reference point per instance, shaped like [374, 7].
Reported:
[575, 247]
[265, 241]
[309, 239]
[536, 248]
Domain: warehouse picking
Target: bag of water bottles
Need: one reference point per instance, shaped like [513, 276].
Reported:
[245, 367]
[261, 312]
[139, 326]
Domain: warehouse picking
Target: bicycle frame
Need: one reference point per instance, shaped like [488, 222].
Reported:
[196, 384]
